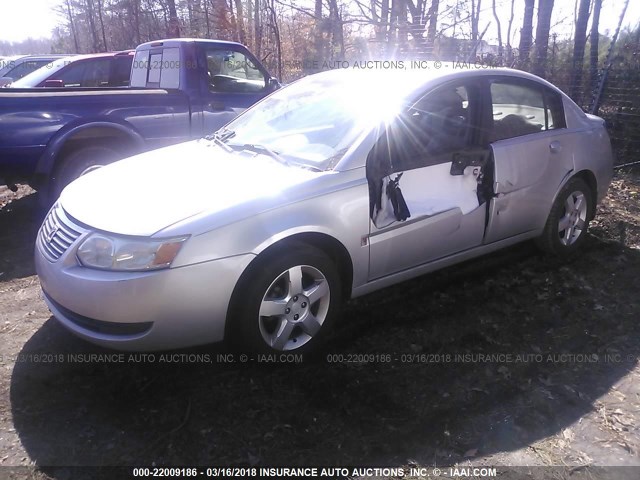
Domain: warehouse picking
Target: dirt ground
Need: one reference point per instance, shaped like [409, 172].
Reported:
[514, 359]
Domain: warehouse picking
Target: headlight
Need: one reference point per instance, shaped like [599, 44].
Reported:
[101, 251]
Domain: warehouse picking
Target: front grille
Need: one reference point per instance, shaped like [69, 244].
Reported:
[56, 234]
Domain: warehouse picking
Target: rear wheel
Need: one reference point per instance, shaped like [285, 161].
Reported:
[288, 303]
[566, 227]
[80, 162]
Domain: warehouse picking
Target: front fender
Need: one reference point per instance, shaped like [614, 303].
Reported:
[47, 160]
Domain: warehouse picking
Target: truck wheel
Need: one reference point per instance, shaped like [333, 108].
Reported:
[81, 162]
[288, 303]
[566, 227]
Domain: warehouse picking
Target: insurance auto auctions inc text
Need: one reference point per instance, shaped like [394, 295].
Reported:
[383, 472]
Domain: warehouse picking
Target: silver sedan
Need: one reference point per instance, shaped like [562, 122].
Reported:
[341, 184]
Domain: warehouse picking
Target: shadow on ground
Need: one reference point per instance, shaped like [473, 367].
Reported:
[484, 357]
[575, 322]
[19, 224]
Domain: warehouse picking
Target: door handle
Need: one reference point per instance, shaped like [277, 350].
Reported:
[555, 147]
[215, 106]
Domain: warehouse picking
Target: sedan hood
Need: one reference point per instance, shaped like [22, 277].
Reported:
[144, 194]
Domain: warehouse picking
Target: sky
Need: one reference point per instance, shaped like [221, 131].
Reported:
[21, 19]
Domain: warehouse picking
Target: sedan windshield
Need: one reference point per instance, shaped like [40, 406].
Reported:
[312, 122]
[38, 76]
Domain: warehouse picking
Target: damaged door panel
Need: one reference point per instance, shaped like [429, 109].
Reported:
[423, 183]
[523, 185]
[445, 217]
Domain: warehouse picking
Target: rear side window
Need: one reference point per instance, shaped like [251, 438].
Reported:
[71, 76]
[522, 108]
[155, 68]
[96, 73]
[120, 71]
[87, 73]
[158, 68]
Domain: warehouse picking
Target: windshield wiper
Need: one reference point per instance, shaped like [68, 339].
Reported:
[333, 160]
[220, 137]
[223, 134]
[313, 168]
[261, 149]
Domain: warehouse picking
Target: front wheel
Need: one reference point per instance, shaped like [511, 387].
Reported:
[80, 162]
[566, 227]
[288, 302]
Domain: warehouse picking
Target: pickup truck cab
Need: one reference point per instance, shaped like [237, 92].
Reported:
[181, 89]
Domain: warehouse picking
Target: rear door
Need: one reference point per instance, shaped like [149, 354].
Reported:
[531, 155]
[431, 153]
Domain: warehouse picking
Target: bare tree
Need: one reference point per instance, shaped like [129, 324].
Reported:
[240, 20]
[499, 27]
[433, 24]
[526, 33]
[257, 27]
[233, 20]
[475, 21]
[207, 22]
[134, 15]
[99, 4]
[318, 31]
[579, 42]
[509, 27]
[545, 7]
[194, 9]
[92, 25]
[595, 45]
[336, 28]
[174, 24]
[608, 61]
[403, 32]
[273, 23]
[72, 26]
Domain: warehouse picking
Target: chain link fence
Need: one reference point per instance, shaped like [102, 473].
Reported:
[620, 106]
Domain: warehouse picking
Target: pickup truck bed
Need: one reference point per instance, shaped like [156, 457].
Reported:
[132, 120]
[48, 137]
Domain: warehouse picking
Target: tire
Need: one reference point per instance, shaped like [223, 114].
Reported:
[80, 162]
[287, 302]
[567, 224]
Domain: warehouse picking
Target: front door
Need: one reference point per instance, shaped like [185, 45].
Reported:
[423, 178]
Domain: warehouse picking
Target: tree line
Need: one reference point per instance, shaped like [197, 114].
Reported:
[289, 34]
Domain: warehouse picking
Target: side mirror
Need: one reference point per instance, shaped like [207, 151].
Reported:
[273, 84]
[5, 81]
[53, 83]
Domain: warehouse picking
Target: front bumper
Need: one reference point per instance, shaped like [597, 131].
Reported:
[139, 311]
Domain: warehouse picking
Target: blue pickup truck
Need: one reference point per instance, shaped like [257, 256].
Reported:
[180, 89]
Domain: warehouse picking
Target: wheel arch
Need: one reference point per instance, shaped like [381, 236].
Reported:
[324, 242]
[123, 137]
[589, 178]
[327, 244]
[591, 181]
[335, 250]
